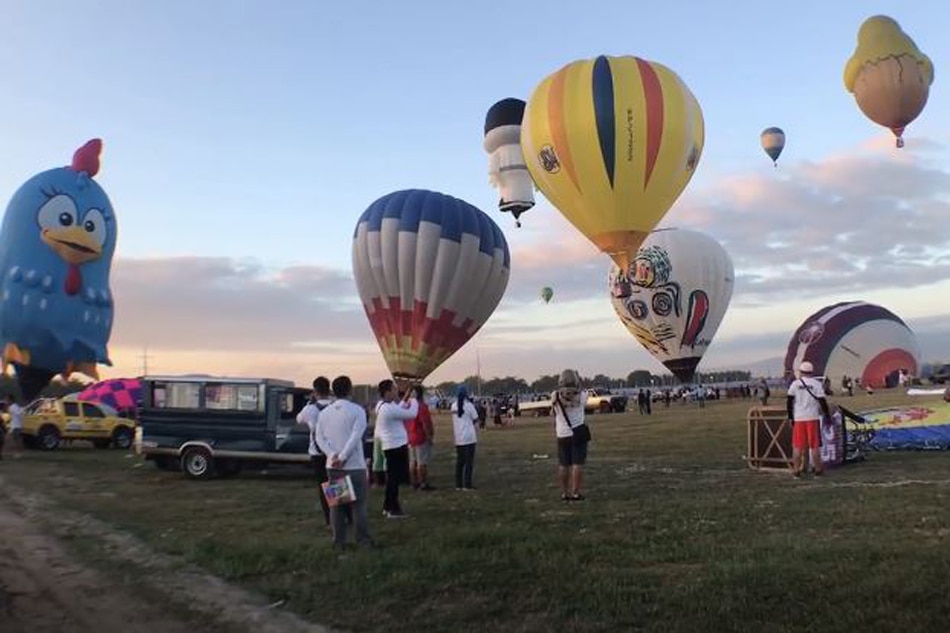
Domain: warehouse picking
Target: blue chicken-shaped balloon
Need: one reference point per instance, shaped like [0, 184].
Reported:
[56, 246]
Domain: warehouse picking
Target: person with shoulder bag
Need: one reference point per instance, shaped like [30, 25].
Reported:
[573, 434]
[806, 403]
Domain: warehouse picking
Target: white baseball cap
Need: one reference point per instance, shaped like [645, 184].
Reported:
[806, 367]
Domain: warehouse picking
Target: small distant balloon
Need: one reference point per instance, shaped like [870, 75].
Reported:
[547, 293]
[773, 142]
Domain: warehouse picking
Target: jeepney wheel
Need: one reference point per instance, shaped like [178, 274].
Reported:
[48, 437]
[122, 437]
[605, 407]
[197, 463]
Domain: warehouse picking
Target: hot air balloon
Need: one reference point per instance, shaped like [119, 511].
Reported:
[547, 293]
[56, 245]
[889, 76]
[506, 165]
[612, 142]
[855, 339]
[773, 142]
[430, 270]
[674, 296]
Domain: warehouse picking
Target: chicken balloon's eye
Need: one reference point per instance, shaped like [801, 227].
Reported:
[95, 225]
[58, 212]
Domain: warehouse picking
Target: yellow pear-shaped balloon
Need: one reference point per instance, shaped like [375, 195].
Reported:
[889, 76]
[612, 142]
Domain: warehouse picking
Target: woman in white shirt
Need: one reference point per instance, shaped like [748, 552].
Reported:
[391, 418]
[464, 419]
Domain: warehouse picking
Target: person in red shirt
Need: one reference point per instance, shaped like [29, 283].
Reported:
[421, 435]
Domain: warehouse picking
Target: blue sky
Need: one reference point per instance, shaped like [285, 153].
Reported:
[259, 131]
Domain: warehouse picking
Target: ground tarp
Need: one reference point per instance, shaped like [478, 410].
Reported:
[920, 427]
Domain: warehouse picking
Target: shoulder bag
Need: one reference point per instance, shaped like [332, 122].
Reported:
[581, 431]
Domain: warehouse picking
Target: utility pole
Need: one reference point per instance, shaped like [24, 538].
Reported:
[478, 371]
[145, 358]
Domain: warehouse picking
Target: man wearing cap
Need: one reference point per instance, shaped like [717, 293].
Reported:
[568, 408]
[806, 403]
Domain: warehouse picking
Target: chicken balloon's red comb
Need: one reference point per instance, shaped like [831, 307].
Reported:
[86, 157]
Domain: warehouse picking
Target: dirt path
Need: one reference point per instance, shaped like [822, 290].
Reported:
[43, 588]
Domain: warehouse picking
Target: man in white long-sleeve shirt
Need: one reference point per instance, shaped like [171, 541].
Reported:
[391, 418]
[310, 415]
[339, 435]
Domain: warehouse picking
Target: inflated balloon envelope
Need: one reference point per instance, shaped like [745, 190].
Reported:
[56, 245]
[889, 76]
[674, 296]
[430, 270]
[612, 142]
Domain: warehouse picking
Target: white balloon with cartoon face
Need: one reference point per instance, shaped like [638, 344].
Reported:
[674, 296]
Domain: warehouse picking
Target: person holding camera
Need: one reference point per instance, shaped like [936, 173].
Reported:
[572, 433]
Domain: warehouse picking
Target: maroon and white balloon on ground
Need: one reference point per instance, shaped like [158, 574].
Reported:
[674, 296]
[856, 339]
[430, 270]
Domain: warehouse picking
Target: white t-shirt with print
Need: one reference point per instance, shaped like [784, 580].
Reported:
[806, 404]
[575, 413]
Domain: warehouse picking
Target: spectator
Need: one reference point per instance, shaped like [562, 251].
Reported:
[310, 415]
[806, 403]
[16, 426]
[464, 417]
[421, 436]
[391, 430]
[568, 403]
[339, 435]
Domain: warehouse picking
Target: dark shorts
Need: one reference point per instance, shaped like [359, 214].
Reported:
[571, 453]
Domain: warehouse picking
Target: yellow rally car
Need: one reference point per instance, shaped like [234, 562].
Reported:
[46, 423]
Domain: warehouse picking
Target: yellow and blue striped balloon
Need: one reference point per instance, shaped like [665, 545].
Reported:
[773, 142]
[612, 142]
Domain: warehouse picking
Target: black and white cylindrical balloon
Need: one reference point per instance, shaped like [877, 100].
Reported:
[506, 165]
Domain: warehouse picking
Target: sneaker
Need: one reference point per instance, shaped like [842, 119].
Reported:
[577, 497]
[819, 473]
[797, 474]
[397, 515]
[565, 496]
[426, 487]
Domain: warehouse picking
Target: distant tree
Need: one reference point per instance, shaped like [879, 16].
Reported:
[545, 384]
[447, 387]
[600, 380]
[639, 378]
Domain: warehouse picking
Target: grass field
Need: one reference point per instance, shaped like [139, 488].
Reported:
[677, 534]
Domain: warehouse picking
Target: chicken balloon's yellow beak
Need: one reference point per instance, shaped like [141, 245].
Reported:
[73, 244]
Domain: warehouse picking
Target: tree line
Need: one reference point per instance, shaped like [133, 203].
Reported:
[640, 378]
